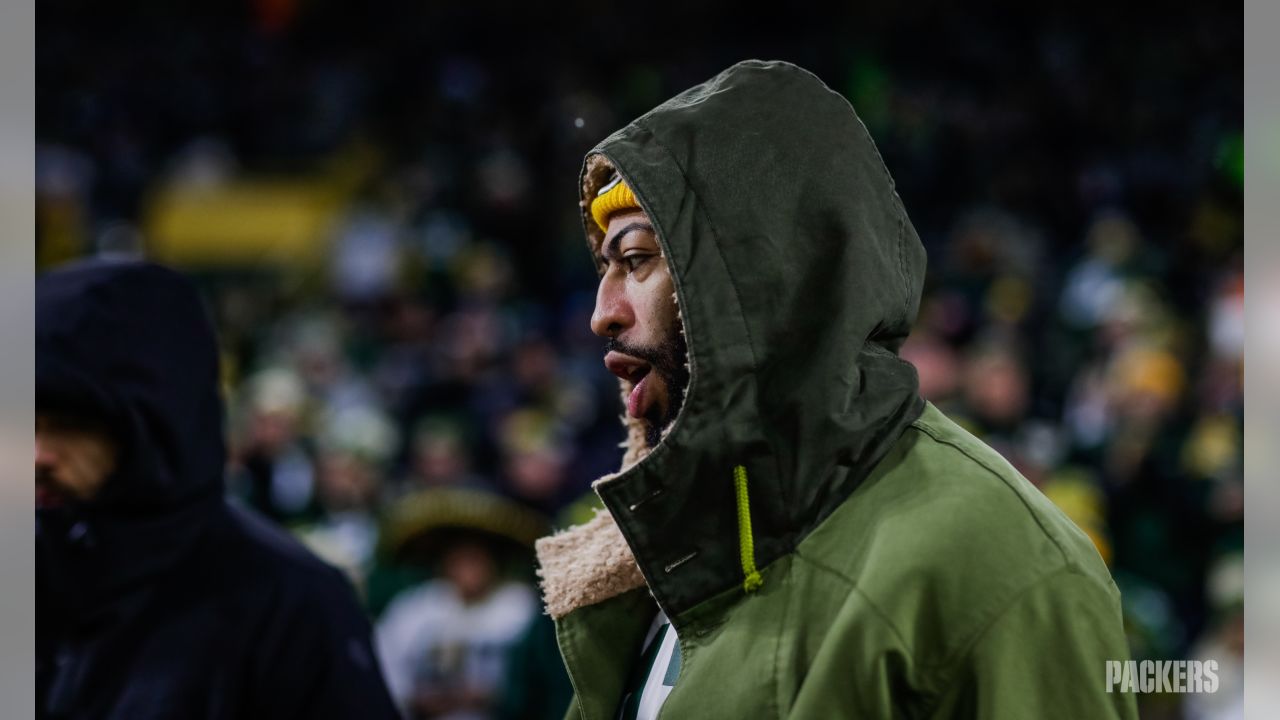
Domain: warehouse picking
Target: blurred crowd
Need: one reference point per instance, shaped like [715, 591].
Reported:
[1076, 179]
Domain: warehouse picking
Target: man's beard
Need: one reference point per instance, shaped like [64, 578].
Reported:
[669, 359]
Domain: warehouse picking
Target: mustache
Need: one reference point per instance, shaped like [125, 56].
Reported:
[666, 357]
[653, 356]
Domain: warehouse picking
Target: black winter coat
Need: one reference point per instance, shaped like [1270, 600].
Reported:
[159, 599]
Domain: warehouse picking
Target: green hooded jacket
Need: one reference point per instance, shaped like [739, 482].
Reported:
[905, 568]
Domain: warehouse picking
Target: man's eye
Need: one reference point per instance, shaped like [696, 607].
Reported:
[634, 261]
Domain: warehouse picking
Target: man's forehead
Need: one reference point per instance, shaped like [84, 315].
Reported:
[620, 221]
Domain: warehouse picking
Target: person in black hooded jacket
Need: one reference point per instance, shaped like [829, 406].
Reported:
[156, 598]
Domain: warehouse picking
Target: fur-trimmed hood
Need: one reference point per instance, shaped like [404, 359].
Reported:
[797, 276]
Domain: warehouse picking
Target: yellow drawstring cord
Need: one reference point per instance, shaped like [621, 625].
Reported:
[746, 543]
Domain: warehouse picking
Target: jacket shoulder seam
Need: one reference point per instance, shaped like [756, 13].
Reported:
[933, 433]
[853, 588]
[951, 663]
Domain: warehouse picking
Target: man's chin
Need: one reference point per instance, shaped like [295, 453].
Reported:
[658, 420]
[657, 426]
[652, 434]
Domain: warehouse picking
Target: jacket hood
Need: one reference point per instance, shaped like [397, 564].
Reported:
[798, 276]
[130, 342]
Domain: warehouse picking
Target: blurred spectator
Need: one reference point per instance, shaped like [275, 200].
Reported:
[997, 389]
[444, 643]
[355, 446]
[1095, 285]
[534, 457]
[1223, 641]
[274, 470]
[536, 685]
[440, 456]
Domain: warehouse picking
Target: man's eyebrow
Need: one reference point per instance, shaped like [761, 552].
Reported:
[610, 250]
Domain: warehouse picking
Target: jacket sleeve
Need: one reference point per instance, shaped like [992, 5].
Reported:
[1045, 656]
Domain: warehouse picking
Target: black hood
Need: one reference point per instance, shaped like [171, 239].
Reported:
[131, 343]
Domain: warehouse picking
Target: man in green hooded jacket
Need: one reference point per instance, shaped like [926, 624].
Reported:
[794, 532]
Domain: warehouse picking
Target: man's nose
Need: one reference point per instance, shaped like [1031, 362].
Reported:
[613, 313]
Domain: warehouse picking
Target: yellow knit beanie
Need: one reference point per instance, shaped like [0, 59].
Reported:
[612, 198]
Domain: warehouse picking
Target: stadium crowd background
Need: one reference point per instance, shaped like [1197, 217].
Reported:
[380, 203]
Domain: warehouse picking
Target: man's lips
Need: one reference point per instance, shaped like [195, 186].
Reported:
[637, 372]
[48, 496]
